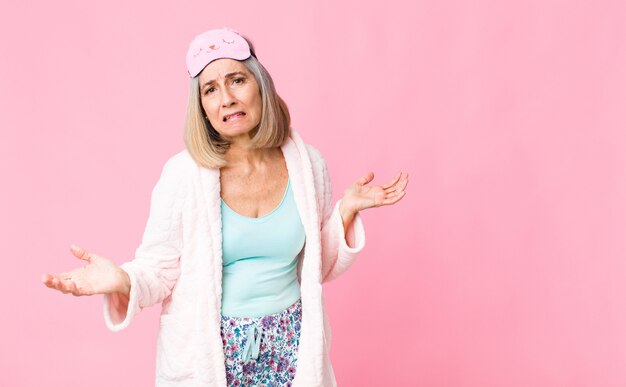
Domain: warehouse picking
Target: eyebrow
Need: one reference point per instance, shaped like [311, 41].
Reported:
[229, 75]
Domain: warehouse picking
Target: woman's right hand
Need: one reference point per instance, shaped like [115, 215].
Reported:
[99, 276]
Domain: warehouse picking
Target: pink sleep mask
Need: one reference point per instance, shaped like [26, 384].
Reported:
[215, 44]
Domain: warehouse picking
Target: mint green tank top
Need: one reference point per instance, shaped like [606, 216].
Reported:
[259, 259]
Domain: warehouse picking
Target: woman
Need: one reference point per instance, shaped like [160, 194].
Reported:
[241, 235]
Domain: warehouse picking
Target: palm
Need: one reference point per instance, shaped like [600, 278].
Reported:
[365, 197]
[360, 196]
[98, 276]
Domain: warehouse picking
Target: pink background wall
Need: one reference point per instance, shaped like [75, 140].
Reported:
[503, 266]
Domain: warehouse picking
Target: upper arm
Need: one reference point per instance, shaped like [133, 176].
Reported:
[322, 182]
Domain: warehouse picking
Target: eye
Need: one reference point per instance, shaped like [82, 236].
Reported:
[239, 80]
[209, 90]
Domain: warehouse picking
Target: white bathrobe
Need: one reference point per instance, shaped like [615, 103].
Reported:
[179, 264]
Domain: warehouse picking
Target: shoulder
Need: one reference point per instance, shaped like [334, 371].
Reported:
[320, 170]
[181, 160]
[318, 163]
[297, 148]
[178, 168]
[180, 164]
[312, 152]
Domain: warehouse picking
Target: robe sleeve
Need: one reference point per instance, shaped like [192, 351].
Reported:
[155, 268]
[339, 248]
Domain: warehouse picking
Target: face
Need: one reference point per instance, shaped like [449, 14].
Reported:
[230, 97]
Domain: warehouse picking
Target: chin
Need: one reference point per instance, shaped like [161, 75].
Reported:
[234, 132]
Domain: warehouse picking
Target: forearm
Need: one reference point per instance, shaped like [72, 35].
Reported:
[347, 217]
[343, 238]
[118, 301]
[123, 287]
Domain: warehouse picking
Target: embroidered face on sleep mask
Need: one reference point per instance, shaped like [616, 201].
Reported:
[215, 44]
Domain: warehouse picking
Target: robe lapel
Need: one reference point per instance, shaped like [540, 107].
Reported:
[307, 207]
[310, 361]
[212, 196]
[294, 168]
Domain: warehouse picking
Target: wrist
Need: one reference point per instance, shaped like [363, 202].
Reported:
[123, 283]
[347, 218]
[346, 212]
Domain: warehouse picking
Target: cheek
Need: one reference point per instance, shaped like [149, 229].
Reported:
[257, 102]
[209, 108]
[211, 115]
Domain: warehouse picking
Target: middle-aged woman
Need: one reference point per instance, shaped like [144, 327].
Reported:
[240, 237]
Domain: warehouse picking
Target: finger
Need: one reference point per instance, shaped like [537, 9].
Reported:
[366, 179]
[58, 285]
[47, 280]
[403, 183]
[398, 186]
[393, 181]
[64, 287]
[70, 287]
[73, 289]
[394, 199]
[398, 190]
[51, 281]
[81, 253]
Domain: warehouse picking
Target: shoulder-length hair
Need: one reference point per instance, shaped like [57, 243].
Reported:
[204, 143]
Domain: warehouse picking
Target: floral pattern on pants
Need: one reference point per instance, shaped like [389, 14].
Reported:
[275, 360]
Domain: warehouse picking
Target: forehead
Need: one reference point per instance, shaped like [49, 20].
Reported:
[219, 68]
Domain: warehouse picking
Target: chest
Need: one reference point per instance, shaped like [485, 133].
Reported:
[254, 194]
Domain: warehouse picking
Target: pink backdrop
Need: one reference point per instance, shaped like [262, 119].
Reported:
[503, 266]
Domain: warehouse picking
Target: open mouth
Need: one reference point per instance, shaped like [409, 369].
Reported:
[234, 115]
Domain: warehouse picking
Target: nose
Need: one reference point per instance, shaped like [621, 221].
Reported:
[227, 98]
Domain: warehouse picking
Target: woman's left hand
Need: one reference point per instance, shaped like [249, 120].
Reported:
[360, 196]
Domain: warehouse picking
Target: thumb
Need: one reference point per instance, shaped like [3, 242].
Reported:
[80, 253]
[366, 179]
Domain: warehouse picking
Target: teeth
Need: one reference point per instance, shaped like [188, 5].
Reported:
[231, 116]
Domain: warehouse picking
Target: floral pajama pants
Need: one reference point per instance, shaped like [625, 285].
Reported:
[262, 351]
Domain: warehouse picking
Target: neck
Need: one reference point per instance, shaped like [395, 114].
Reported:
[241, 156]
